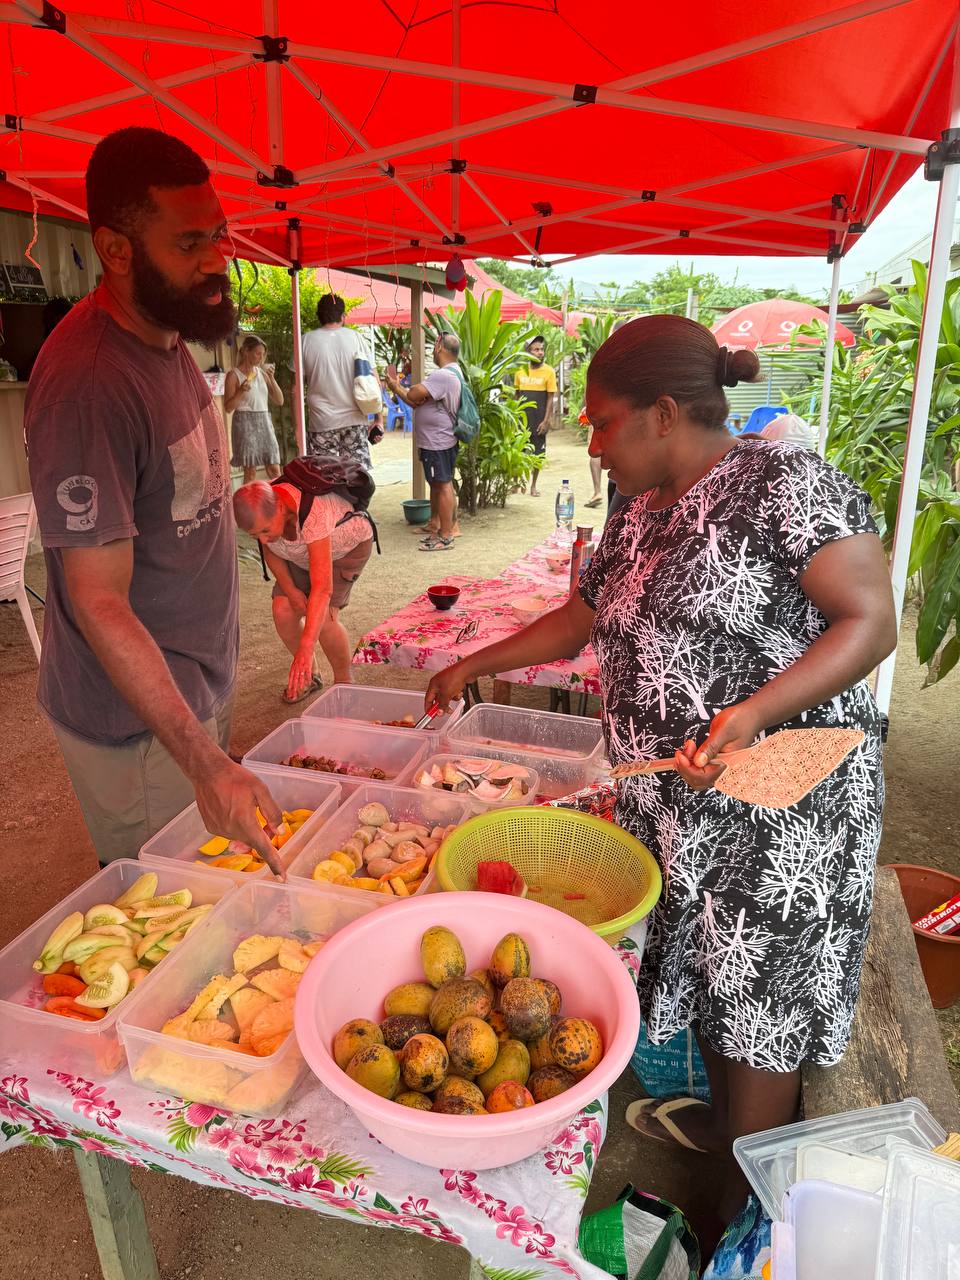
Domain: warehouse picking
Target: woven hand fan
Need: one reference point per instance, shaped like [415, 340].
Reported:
[777, 771]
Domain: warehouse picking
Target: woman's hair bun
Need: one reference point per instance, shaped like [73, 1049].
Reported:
[737, 366]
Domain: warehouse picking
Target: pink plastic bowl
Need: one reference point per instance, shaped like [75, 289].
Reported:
[359, 965]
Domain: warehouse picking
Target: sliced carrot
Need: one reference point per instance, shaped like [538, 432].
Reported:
[68, 967]
[62, 984]
[67, 1007]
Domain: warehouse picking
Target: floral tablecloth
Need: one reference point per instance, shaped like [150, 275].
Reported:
[519, 1221]
[423, 638]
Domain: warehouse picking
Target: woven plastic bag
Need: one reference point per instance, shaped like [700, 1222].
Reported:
[671, 1070]
[641, 1238]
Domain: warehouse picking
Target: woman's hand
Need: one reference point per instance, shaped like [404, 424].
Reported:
[446, 686]
[298, 602]
[732, 728]
[301, 672]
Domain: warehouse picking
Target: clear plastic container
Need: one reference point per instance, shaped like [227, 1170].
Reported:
[93, 1049]
[367, 746]
[769, 1159]
[844, 1168]
[376, 706]
[478, 805]
[557, 775]
[205, 1073]
[430, 808]
[534, 732]
[828, 1233]
[920, 1220]
[182, 837]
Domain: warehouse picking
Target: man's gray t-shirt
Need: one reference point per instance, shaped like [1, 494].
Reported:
[124, 441]
[433, 420]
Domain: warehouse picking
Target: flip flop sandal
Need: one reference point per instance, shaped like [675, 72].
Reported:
[654, 1109]
[315, 685]
[594, 502]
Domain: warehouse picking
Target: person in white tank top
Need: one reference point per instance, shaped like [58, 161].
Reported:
[249, 391]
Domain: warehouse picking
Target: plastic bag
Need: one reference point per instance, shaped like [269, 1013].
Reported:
[671, 1070]
[641, 1238]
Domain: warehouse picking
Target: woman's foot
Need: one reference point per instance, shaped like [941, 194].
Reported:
[682, 1122]
[594, 501]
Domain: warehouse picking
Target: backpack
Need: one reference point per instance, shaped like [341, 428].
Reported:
[316, 476]
[466, 421]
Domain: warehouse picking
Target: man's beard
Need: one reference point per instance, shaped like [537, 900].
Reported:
[184, 310]
[535, 363]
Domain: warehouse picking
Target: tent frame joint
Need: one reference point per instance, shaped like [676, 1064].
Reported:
[456, 238]
[585, 94]
[52, 18]
[834, 253]
[12, 122]
[274, 49]
[857, 228]
[282, 177]
[940, 154]
[280, 206]
[838, 201]
[458, 165]
[683, 235]
[648, 196]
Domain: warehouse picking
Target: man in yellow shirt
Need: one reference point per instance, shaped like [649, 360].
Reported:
[537, 384]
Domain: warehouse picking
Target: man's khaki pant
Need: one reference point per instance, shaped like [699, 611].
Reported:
[128, 793]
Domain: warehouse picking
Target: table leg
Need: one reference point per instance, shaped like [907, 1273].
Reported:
[502, 692]
[472, 691]
[117, 1219]
[560, 700]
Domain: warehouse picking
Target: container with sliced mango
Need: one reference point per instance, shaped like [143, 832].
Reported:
[234, 855]
[92, 959]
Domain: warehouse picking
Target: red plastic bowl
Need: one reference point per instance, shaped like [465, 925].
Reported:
[443, 597]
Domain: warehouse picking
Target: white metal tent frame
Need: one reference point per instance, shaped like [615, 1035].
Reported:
[371, 167]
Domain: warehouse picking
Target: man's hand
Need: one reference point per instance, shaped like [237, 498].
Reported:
[731, 729]
[228, 797]
[541, 428]
[298, 602]
[301, 673]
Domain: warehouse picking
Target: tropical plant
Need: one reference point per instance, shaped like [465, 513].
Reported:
[500, 459]
[592, 334]
[868, 419]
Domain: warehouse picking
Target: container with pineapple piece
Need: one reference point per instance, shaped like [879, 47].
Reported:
[64, 981]
[382, 842]
[218, 1030]
[305, 800]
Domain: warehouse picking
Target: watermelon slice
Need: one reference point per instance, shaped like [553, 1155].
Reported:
[500, 877]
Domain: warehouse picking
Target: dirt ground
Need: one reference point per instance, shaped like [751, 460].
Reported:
[206, 1234]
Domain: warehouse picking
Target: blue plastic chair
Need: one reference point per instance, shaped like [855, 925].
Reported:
[763, 414]
[398, 409]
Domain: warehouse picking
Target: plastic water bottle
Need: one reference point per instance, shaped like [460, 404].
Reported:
[563, 509]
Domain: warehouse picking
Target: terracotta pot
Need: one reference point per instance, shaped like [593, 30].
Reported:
[924, 889]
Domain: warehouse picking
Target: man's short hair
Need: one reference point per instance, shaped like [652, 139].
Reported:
[252, 502]
[331, 309]
[450, 343]
[123, 168]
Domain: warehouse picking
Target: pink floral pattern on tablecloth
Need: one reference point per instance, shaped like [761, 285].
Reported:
[422, 638]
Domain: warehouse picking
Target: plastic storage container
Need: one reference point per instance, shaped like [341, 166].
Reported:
[534, 732]
[558, 775]
[351, 976]
[374, 706]
[920, 1222]
[769, 1159]
[478, 805]
[204, 1073]
[182, 837]
[62, 1044]
[828, 1233]
[431, 808]
[396, 753]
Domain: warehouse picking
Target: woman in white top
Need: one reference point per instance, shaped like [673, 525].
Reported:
[315, 567]
[248, 391]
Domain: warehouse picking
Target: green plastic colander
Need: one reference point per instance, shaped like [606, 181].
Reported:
[561, 854]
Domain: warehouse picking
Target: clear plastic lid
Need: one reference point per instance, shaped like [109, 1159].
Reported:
[769, 1159]
[920, 1219]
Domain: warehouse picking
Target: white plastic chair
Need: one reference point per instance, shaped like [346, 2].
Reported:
[18, 519]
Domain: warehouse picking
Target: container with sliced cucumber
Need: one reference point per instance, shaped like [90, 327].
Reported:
[92, 959]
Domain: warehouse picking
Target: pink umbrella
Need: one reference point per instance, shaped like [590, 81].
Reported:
[774, 323]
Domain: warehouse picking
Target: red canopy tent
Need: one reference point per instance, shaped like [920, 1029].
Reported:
[403, 132]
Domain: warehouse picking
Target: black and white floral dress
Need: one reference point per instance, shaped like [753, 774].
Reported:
[759, 936]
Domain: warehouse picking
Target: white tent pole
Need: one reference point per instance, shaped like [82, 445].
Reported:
[271, 71]
[923, 386]
[455, 33]
[828, 356]
[299, 411]
[418, 360]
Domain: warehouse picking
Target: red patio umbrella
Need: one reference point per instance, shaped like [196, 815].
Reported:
[774, 323]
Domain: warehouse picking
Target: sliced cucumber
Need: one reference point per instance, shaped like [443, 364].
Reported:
[152, 957]
[51, 957]
[114, 931]
[86, 945]
[99, 963]
[103, 913]
[142, 890]
[150, 914]
[171, 940]
[149, 941]
[108, 990]
[181, 898]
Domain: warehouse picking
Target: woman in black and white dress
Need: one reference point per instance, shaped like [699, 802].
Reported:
[248, 392]
[741, 589]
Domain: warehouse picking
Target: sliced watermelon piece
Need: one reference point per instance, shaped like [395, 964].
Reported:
[500, 877]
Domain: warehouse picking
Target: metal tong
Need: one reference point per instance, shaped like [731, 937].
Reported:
[426, 721]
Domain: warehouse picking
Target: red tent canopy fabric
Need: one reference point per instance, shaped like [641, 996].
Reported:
[774, 323]
[410, 130]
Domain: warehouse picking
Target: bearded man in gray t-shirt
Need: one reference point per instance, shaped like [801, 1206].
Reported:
[130, 473]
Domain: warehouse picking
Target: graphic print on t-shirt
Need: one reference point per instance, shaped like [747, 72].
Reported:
[199, 474]
[79, 497]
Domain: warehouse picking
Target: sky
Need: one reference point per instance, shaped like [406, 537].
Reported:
[907, 218]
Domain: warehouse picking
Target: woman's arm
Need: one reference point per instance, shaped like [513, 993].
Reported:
[849, 582]
[274, 394]
[240, 390]
[562, 633]
[318, 603]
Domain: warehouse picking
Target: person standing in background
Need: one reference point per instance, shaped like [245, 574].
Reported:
[248, 391]
[537, 383]
[337, 428]
[128, 466]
